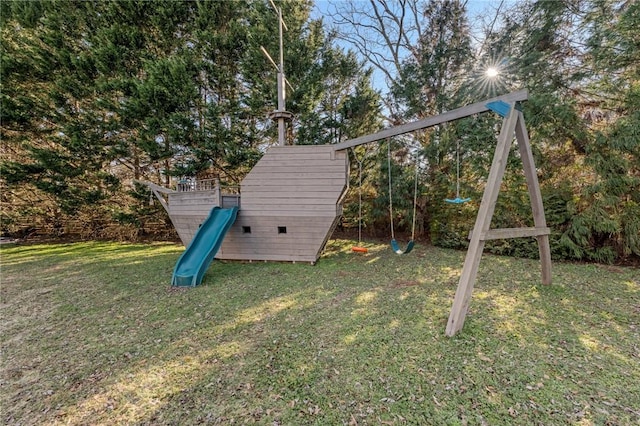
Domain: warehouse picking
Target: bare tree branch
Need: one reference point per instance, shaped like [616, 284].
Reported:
[384, 33]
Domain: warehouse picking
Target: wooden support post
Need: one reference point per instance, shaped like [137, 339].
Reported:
[158, 191]
[161, 199]
[535, 196]
[483, 222]
[217, 193]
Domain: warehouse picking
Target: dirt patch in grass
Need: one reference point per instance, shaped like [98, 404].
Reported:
[405, 283]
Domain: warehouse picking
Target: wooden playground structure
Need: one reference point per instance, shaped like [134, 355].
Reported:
[513, 125]
[291, 200]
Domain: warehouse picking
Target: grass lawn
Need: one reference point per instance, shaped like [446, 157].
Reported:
[92, 333]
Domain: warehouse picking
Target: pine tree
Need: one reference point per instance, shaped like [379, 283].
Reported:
[96, 94]
[579, 62]
[66, 151]
[607, 221]
[429, 82]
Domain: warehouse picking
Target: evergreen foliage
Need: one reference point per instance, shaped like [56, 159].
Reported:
[580, 63]
[97, 94]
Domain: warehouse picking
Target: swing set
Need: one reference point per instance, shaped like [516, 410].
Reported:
[457, 200]
[394, 244]
[513, 126]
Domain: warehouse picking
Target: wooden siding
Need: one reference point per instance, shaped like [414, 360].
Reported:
[303, 241]
[296, 180]
[187, 225]
[297, 187]
[189, 209]
[192, 203]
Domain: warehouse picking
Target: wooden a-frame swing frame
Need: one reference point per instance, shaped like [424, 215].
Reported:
[513, 125]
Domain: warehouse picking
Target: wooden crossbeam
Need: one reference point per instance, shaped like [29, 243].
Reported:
[502, 233]
[158, 191]
[454, 114]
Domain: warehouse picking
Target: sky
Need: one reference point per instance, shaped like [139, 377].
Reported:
[481, 13]
[474, 7]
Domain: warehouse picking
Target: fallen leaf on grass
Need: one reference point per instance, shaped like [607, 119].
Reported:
[484, 358]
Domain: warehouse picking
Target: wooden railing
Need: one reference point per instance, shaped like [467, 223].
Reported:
[190, 184]
[187, 185]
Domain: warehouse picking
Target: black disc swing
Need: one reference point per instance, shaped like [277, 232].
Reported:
[394, 244]
[457, 200]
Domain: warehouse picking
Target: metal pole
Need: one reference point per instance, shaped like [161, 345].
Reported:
[281, 107]
[281, 88]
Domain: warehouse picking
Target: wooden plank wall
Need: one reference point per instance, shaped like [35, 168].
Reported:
[302, 242]
[295, 180]
[189, 209]
[187, 225]
[293, 188]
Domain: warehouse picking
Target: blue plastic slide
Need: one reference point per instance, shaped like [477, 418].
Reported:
[195, 260]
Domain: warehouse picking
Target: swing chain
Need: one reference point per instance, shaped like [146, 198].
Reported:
[415, 201]
[355, 156]
[457, 200]
[394, 243]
